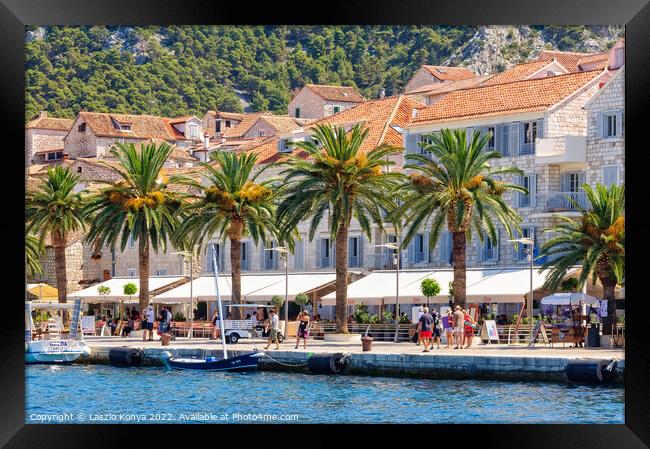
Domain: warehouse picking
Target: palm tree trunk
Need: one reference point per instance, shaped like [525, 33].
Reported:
[459, 263]
[143, 255]
[342, 280]
[235, 234]
[609, 293]
[58, 243]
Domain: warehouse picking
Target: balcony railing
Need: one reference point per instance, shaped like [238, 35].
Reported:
[560, 201]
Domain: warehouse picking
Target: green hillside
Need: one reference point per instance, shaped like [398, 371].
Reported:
[177, 70]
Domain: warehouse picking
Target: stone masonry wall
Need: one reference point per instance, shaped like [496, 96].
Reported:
[422, 77]
[41, 139]
[606, 151]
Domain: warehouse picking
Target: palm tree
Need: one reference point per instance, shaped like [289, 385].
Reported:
[55, 209]
[139, 206]
[342, 181]
[596, 241]
[457, 188]
[233, 204]
[33, 251]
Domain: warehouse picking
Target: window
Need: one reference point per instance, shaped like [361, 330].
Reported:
[79, 169]
[244, 256]
[193, 131]
[132, 272]
[162, 272]
[299, 254]
[610, 175]
[572, 181]
[611, 124]
[81, 128]
[337, 109]
[126, 127]
[208, 256]
[325, 253]
[131, 242]
[227, 123]
[522, 250]
[489, 250]
[261, 133]
[529, 132]
[509, 139]
[492, 131]
[529, 182]
[54, 156]
[297, 113]
[285, 145]
[419, 248]
[354, 252]
[269, 257]
[218, 126]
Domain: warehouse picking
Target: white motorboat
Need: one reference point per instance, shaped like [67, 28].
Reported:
[54, 350]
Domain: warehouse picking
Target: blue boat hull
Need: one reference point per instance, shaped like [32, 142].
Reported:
[245, 362]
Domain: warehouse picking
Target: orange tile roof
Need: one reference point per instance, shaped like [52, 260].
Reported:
[444, 73]
[142, 126]
[601, 58]
[336, 93]
[518, 72]
[58, 124]
[378, 116]
[450, 86]
[244, 125]
[507, 98]
[569, 59]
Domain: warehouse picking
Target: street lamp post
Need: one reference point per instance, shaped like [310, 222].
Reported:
[185, 254]
[530, 243]
[284, 253]
[395, 246]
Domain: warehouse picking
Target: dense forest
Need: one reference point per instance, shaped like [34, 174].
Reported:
[181, 70]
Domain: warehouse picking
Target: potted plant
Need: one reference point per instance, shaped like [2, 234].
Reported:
[277, 301]
[104, 290]
[429, 288]
[301, 299]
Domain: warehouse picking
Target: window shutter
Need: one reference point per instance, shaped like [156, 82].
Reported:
[600, 129]
[564, 182]
[411, 251]
[518, 195]
[319, 243]
[262, 257]
[619, 124]
[496, 244]
[450, 248]
[532, 188]
[479, 247]
[332, 254]
[350, 243]
[581, 180]
[411, 143]
[540, 128]
[505, 141]
[468, 134]
[523, 147]
[498, 145]
[360, 250]
[425, 249]
[514, 138]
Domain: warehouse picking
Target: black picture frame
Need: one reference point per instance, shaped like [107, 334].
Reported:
[15, 14]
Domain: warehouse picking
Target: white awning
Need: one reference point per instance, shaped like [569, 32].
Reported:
[91, 294]
[298, 283]
[494, 285]
[254, 287]
[565, 299]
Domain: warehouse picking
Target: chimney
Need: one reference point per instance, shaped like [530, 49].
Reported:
[223, 138]
[382, 93]
[42, 114]
[206, 140]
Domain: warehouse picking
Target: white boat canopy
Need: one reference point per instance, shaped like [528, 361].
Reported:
[254, 287]
[565, 299]
[493, 285]
[116, 284]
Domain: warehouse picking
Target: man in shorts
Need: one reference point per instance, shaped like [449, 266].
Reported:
[459, 324]
[147, 323]
[425, 328]
[274, 323]
[436, 329]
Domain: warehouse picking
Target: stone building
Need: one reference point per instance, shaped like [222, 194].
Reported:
[315, 101]
[44, 139]
[606, 133]
[431, 74]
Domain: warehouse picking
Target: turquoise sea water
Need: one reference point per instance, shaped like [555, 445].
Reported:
[99, 394]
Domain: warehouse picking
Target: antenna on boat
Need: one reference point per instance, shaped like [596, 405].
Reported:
[215, 269]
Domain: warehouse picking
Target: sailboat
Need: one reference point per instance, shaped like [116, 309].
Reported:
[244, 362]
[54, 350]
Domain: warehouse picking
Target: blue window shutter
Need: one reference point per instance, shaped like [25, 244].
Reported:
[411, 143]
[468, 134]
[319, 242]
[411, 250]
[619, 124]
[599, 125]
[425, 249]
[532, 189]
[360, 251]
[497, 139]
[332, 262]
[564, 182]
[497, 244]
[523, 147]
[540, 128]
[513, 136]
[350, 244]
[479, 247]
[518, 195]
[450, 248]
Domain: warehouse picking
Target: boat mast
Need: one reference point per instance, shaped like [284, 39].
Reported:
[215, 270]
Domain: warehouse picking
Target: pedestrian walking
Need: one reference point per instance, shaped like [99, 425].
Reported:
[436, 328]
[458, 331]
[274, 329]
[303, 329]
[425, 328]
[448, 327]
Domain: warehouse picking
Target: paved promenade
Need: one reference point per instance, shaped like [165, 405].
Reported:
[378, 347]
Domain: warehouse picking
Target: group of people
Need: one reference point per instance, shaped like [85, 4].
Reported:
[458, 326]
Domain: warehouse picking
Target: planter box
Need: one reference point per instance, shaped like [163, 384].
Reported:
[343, 338]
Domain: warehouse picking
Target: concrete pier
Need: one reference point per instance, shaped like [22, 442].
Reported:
[488, 362]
